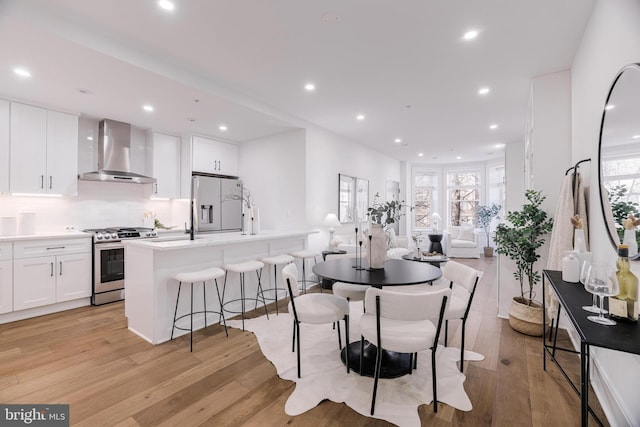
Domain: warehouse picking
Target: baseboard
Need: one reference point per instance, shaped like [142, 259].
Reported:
[14, 316]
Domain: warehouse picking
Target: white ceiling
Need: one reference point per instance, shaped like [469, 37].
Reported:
[403, 64]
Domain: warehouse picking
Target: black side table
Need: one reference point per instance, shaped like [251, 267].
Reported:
[436, 245]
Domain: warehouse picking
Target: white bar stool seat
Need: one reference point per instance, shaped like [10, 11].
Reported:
[304, 255]
[275, 261]
[241, 268]
[194, 277]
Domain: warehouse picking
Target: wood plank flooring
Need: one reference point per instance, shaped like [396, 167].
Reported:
[110, 377]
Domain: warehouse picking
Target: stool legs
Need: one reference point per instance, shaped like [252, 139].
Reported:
[304, 275]
[275, 289]
[243, 295]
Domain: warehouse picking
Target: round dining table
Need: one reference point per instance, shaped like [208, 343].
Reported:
[396, 272]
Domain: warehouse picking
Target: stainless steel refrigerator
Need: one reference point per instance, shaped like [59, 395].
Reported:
[217, 203]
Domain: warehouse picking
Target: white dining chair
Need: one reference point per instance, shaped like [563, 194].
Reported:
[401, 322]
[314, 309]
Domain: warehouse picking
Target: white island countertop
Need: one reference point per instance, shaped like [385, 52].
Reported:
[215, 239]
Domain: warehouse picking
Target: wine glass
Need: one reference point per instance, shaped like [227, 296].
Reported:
[603, 282]
[584, 272]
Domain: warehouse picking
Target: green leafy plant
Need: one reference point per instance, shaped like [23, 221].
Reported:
[620, 206]
[520, 237]
[484, 215]
[386, 213]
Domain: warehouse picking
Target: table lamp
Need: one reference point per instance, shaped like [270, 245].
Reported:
[331, 221]
[435, 221]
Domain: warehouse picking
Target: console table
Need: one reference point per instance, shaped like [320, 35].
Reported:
[625, 336]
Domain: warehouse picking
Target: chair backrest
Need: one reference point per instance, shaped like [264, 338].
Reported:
[290, 277]
[460, 274]
[338, 256]
[407, 306]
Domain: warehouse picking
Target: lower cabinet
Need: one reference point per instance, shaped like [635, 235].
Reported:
[34, 282]
[6, 287]
[73, 279]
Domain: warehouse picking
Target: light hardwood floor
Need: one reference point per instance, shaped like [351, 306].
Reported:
[87, 358]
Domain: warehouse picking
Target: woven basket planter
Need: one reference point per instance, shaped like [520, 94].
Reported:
[526, 319]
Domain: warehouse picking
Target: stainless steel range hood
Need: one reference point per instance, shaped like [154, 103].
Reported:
[114, 153]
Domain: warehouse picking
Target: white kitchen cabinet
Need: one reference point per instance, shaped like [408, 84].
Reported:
[61, 275]
[44, 151]
[5, 137]
[6, 278]
[214, 157]
[164, 164]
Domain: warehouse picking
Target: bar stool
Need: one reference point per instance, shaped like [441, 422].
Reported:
[198, 276]
[304, 255]
[242, 268]
[275, 261]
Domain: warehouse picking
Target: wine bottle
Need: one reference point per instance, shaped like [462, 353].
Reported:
[625, 304]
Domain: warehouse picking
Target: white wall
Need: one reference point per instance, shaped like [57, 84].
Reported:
[611, 40]
[329, 155]
[273, 169]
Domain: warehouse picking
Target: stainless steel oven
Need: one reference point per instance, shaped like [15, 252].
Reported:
[108, 261]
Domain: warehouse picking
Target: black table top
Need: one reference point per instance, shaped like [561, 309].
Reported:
[625, 336]
[395, 272]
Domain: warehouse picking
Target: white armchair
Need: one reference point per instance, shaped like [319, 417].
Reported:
[462, 242]
[397, 245]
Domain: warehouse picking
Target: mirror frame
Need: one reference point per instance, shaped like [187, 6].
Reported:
[614, 239]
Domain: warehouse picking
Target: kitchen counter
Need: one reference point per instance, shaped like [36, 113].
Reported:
[52, 235]
[150, 293]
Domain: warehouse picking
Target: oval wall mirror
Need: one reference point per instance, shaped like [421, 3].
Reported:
[619, 158]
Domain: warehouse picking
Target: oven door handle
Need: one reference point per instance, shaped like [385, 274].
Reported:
[114, 245]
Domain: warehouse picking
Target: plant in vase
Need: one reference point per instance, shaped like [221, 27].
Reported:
[382, 215]
[484, 216]
[629, 237]
[621, 207]
[520, 238]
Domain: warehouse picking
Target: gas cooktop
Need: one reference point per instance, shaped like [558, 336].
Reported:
[120, 233]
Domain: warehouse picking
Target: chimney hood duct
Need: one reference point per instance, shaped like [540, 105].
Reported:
[114, 153]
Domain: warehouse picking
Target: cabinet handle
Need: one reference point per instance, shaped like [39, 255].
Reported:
[215, 165]
[50, 182]
[156, 188]
[51, 269]
[60, 268]
[41, 181]
[219, 164]
[55, 247]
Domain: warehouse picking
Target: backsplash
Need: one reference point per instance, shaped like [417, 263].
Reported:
[98, 204]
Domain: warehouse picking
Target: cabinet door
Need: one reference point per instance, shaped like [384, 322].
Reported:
[34, 282]
[28, 149]
[6, 287]
[62, 153]
[227, 159]
[5, 137]
[166, 165]
[73, 276]
[214, 157]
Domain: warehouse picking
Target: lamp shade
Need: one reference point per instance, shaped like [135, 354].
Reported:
[331, 220]
[435, 220]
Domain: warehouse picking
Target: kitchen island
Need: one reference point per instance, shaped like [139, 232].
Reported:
[150, 293]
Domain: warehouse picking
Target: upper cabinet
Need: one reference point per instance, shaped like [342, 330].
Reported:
[164, 164]
[215, 157]
[44, 151]
[4, 145]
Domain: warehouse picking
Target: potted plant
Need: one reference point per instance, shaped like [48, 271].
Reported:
[381, 215]
[484, 215]
[520, 238]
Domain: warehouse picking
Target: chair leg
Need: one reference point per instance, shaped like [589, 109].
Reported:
[464, 322]
[446, 331]
[224, 287]
[361, 352]
[293, 342]
[339, 337]
[375, 379]
[434, 376]
[261, 292]
[175, 313]
[224, 322]
[298, 352]
[242, 298]
[346, 333]
[204, 297]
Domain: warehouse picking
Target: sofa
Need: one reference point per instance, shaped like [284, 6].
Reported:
[462, 241]
[397, 246]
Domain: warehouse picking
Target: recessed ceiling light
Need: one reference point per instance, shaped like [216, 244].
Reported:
[397, 140]
[420, 154]
[222, 128]
[148, 108]
[470, 35]
[90, 138]
[458, 158]
[191, 119]
[166, 5]
[493, 126]
[22, 72]
[635, 137]
[84, 91]
[360, 117]
[309, 87]
[609, 107]
[499, 145]
[483, 91]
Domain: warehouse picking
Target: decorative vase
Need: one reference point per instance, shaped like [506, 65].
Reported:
[255, 220]
[377, 247]
[579, 244]
[488, 251]
[526, 318]
[629, 239]
[246, 223]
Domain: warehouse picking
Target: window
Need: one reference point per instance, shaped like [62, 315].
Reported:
[622, 172]
[425, 198]
[463, 191]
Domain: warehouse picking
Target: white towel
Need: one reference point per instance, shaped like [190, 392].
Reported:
[562, 232]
